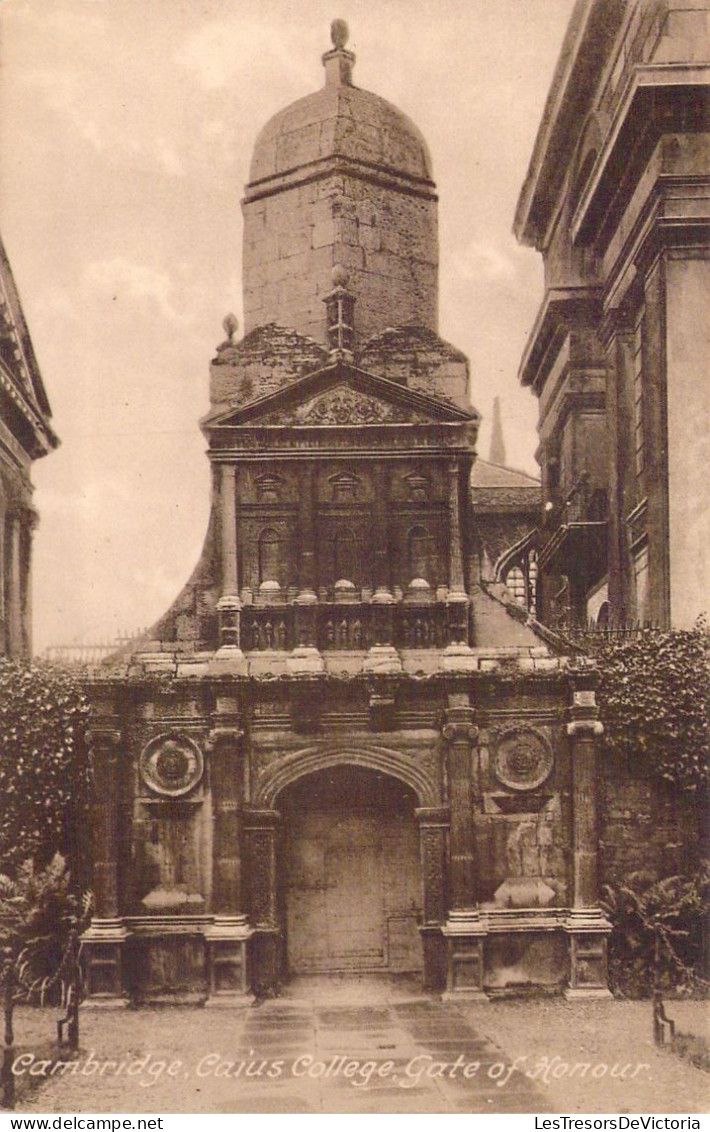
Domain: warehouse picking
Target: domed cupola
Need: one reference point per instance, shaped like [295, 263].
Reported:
[340, 177]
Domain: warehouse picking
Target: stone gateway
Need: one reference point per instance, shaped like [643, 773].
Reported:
[345, 747]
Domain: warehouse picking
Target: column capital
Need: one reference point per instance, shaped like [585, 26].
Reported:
[260, 819]
[439, 816]
[459, 732]
[106, 737]
[585, 726]
[459, 724]
[222, 734]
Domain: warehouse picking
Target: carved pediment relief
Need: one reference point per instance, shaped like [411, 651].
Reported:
[345, 406]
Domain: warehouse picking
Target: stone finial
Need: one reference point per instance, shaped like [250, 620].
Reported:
[231, 326]
[339, 276]
[339, 34]
[339, 62]
[340, 310]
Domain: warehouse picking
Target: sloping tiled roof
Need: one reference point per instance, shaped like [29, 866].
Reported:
[484, 475]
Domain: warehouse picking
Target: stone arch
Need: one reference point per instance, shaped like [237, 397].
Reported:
[312, 759]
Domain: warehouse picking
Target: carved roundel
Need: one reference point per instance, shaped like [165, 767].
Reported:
[171, 764]
[523, 758]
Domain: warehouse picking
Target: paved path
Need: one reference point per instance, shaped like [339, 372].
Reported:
[322, 1047]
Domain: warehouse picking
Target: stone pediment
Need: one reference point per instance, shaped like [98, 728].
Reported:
[342, 395]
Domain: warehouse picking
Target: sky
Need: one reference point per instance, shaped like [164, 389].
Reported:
[126, 129]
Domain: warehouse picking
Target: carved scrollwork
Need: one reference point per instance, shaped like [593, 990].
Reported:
[523, 758]
[345, 406]
[171, 764]
[456, 732]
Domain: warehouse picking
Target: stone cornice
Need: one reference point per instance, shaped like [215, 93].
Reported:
[563, 309]
[340, 166]
[658, 100]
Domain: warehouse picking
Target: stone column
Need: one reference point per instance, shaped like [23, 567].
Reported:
[230, 656]
[228, 935]
[382, 655]
[465, 928]
[105, 938]
[619, 343]
[433, 841]
[654, 336]
[381, 559]
[460, 734]
[586, 927]
[305, 658]
[261, 831]
[457, 654]
[306, 530]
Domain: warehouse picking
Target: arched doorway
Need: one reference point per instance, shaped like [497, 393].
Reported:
[351, 878]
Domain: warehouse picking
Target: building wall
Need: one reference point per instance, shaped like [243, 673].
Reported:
[385, 236]
[688, 351]
[617, 199]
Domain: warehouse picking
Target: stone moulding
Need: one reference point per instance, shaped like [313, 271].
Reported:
[383, 759]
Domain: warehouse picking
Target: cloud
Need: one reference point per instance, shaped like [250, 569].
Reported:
[123, 278]
[488, 260]
[215, 55]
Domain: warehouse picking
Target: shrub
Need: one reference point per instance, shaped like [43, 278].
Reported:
[38, 913]
[654, 699]
[658, 938]
[44, 769]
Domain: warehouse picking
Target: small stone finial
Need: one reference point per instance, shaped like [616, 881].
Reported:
[339, 34]
[340, 276]
[340, 309]
[338, 62]
[231, 326]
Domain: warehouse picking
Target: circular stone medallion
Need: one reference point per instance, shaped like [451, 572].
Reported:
[171, 764]
[523, 758]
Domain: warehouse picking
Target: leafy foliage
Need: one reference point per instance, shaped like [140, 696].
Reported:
[40, 919]
[44, 768]
[654, 698]
[659, 927]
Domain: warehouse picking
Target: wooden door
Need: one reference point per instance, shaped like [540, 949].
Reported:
[352, 891]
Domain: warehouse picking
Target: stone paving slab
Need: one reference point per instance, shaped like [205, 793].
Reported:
[289, 1055]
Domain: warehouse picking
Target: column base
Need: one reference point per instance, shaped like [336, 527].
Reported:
[587, 931]
[465, 931]
[459, 658]
[305, 661]
[572, 993]
[382, 659]
[227, 941]
[102, 954]
[229, 660]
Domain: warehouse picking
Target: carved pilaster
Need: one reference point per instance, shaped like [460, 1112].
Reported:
[260, 840]
[104, 940]
[460, 734]
[227, 778]
[586, 927]
[433, 842]
[103, 745]
[261, 828]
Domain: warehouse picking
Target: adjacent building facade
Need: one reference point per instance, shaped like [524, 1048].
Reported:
[617, 199]
[347, 746]
[25, 435]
